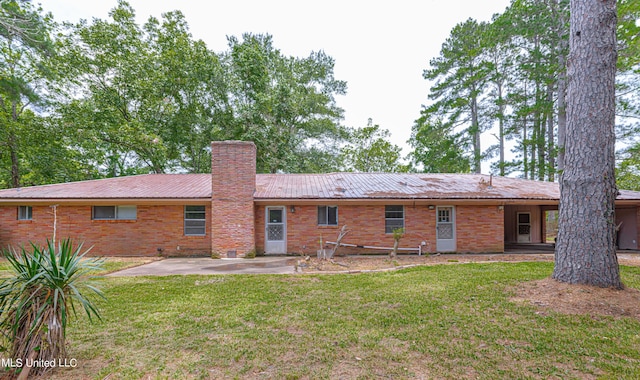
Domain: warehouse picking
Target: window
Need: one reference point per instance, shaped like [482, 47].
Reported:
[444, 215]
[114, 212]
[393, 218]
[327, 215]
[195, 221]
[25, 213]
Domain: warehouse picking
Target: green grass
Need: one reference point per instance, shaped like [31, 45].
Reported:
[114, 264]
[110, 265]
[449, 321]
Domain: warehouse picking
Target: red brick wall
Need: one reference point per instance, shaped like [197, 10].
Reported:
[478, 228]
[233, 170]
[156, 227]
[637, 227]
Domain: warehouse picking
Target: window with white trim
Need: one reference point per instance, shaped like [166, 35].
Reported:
[195, 221]
[115, 213]
[25, 213]
[393, 218]
[327, 215]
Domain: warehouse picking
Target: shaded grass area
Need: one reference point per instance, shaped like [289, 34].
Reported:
[112, 264]
[448, 321]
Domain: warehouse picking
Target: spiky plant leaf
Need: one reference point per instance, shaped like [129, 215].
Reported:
[41, 294]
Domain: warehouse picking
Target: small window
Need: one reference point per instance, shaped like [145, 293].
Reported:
[114, 212]
[444, 215]
[126, 212]
[327, 215]
[524, 218]
[393, 218]
[195, 221]
[25, 213]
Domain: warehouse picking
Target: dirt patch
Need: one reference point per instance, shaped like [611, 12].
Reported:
[550, 295]
[382, 263]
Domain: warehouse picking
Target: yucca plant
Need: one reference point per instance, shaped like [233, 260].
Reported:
[45, 287]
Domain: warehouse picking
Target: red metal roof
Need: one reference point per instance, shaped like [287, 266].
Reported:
[400, 186]
[147, 186]
[304, 186]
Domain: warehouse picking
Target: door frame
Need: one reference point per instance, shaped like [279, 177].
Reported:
[518, 224]
[278, 246]
[446, 245]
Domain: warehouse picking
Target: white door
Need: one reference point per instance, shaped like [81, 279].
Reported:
[524, 227]
[275, 231]
[445, 229]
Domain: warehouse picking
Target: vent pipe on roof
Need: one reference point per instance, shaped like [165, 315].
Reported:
[491, 181]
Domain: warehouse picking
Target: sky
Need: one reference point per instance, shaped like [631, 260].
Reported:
[380, 48]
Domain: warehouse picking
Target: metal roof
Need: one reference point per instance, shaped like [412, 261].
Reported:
[304, 186]
[400, 186]
[146, 186]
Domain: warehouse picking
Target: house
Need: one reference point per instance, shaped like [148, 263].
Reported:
[234, 211]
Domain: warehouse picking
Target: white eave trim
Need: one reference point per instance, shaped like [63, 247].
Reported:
[102, 201]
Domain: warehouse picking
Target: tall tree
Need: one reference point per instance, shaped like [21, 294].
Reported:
[369, 150]
[628, 32]
[437, 148]
[286, 105]
[460, 73]
[151, 98]
[501, 53]
[628, 94]
[25, 45]
[585, 251]
[537, 30]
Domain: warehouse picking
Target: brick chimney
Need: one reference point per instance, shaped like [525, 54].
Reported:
[233, 182]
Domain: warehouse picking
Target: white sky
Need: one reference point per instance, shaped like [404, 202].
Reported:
[380, 47]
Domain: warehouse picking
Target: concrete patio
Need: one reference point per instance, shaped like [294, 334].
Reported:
[205, 265]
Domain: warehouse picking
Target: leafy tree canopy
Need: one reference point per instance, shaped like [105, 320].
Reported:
[369, 150]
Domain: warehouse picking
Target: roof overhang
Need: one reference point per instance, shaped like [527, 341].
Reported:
[405, 201]
[103, 201]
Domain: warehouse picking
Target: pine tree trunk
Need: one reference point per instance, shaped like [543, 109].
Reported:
[501, 128]
[475, 130]
[551, 164]
[562, 109]
[12, 145]
[562, 82]
[585, 251]
[15, 163]
[525, 148]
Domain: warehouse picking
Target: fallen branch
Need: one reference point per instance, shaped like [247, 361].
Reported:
[337, 263]
[343, 233]
[418, 249]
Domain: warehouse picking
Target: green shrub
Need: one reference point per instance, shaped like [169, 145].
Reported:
[44, 288]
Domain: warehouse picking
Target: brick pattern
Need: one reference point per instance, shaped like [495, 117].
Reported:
[233, 170]
[478, 229]
[637, 227]
[159, 226]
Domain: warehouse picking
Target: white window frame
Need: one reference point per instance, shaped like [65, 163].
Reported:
[387, 228]
[25, 213]
[202, 220]
[325, 210]
[118, 212]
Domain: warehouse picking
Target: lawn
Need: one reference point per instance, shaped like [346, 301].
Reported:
[444, 321]
[112, 264]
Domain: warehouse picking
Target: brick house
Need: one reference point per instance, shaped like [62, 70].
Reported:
[233, 211]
